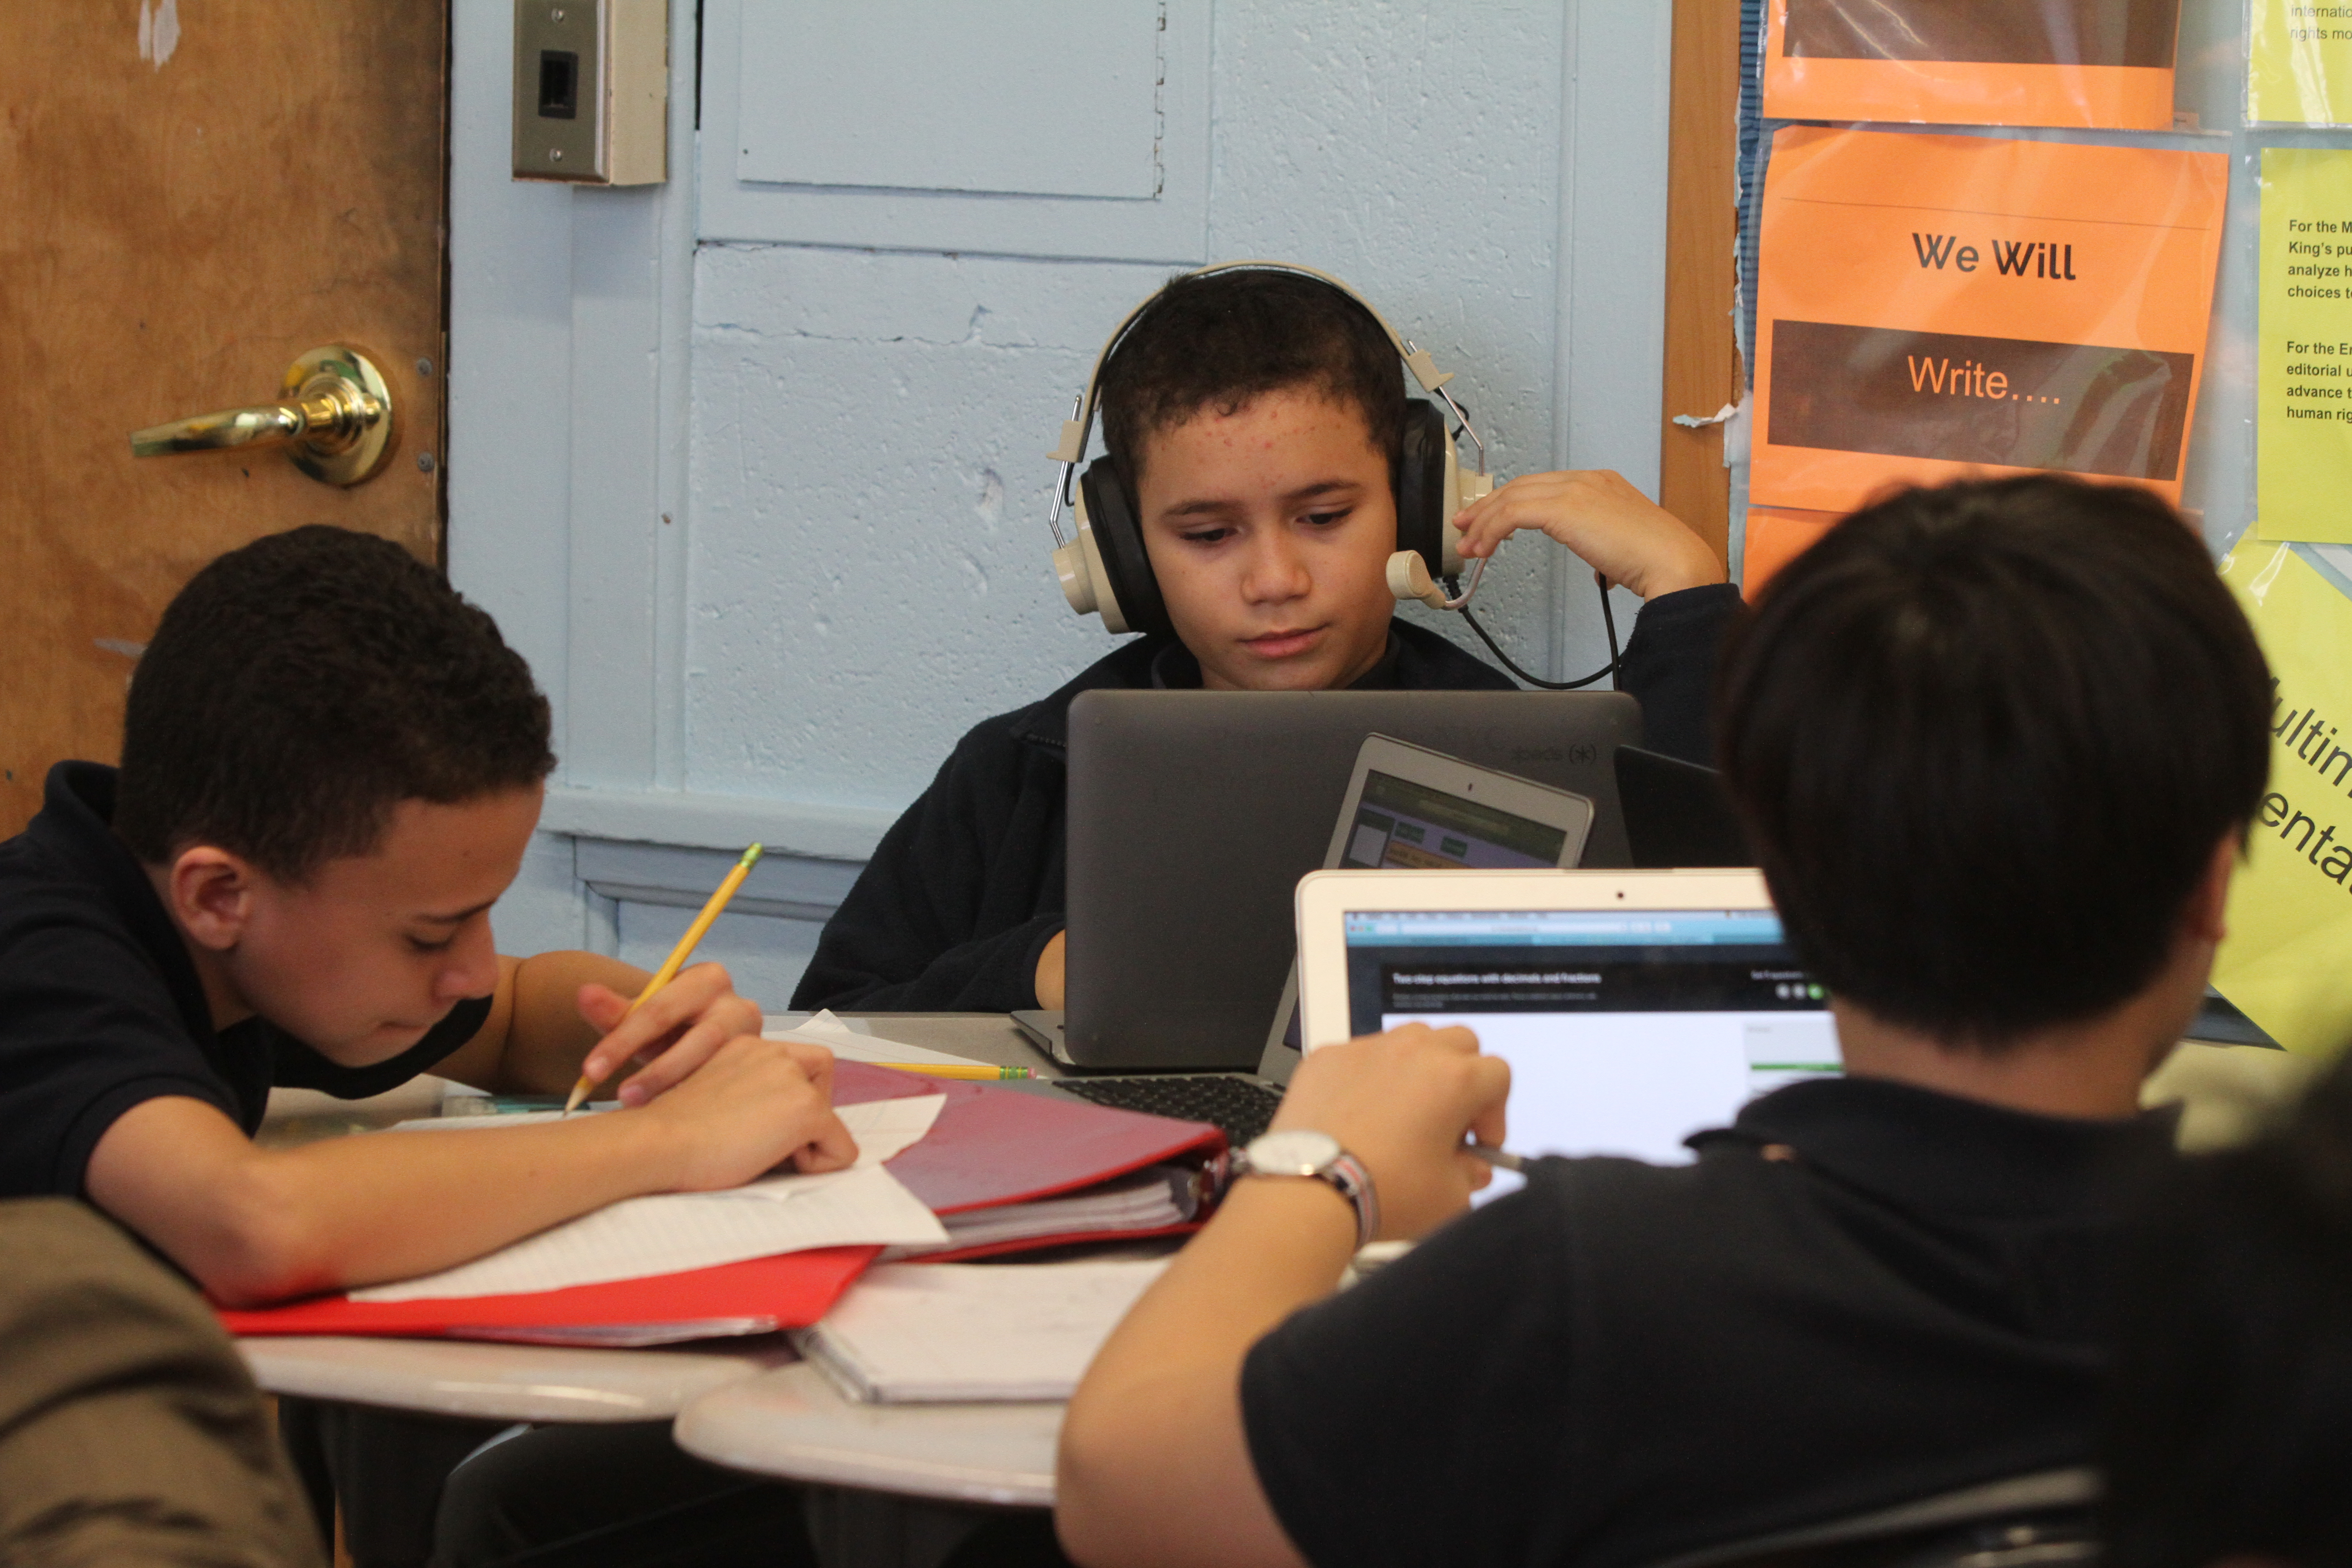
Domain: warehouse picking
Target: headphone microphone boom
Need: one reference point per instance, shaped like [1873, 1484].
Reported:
[1106, 571]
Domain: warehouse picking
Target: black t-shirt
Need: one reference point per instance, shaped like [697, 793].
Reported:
[1623, 1362]
[100, 1007]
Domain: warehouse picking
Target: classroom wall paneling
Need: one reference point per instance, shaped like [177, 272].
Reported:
[752, 467]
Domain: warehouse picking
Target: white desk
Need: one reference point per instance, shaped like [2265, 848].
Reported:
[982, 1036]
[508, 1382]
[747, 1406]
[794, 1425]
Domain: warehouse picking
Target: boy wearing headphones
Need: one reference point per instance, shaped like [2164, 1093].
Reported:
[1264, 464]
[1953, 729]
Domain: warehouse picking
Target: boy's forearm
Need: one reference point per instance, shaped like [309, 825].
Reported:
[393, 1206]
[1155, 1462]
[254, 1224]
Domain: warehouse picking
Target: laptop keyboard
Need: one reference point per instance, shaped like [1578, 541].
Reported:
[1240, 1107]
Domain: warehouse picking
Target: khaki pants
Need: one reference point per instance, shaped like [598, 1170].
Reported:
[130, 1432]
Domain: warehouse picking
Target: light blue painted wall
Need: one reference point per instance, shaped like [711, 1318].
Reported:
[869, 572]
[770, 521]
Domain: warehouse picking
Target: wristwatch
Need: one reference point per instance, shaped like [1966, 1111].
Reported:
[1300, 1153]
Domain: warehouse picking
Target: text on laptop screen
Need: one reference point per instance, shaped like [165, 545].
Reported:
[1407, 826]
[1626, 1032]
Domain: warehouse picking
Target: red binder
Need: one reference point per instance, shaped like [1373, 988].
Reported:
[757, 1295]
[992, 1145]
[989, 1146]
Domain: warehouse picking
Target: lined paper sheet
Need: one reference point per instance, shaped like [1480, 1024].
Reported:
[884, 1128]
[672, 1232]
[945, 1333]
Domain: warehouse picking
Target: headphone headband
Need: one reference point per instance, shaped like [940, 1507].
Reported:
[1105, 569]
[1080, 426]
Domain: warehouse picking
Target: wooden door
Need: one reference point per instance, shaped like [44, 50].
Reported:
[198, 192]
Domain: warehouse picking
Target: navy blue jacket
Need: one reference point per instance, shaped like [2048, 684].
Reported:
[967, 887]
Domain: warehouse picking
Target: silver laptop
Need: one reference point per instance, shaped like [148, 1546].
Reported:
[1194, 814]
[1635, 1008]
[1404, 807]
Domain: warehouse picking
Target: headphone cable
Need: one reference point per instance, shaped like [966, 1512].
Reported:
[1608, 619]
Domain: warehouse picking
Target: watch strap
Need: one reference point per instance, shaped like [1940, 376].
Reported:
[1355, 1183]
[1343, 1171]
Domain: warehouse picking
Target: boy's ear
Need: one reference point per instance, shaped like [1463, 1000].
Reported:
[2204, 917]
[210, 892]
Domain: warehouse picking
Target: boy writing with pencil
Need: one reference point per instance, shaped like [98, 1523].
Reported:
[330, 768]
[332, 765]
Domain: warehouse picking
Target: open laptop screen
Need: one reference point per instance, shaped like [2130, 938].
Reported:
[1626, 1032]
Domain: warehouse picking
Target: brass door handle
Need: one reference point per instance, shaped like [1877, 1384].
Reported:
[334, 416]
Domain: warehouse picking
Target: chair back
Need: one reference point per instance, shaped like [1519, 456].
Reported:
[2047, 1519]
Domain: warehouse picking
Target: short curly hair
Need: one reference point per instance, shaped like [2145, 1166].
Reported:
[300, 688]
[1220, 340]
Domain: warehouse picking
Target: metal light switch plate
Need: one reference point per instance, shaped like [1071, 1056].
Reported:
[592, 92]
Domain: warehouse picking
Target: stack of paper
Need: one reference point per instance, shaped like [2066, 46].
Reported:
[944, 1332]
[670, 1233]
[1156, 1198]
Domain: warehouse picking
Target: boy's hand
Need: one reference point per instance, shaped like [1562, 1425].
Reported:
[1401, 1102]
[1051, 970]
[1596, 512]
[750, 1108]
[680, 1029]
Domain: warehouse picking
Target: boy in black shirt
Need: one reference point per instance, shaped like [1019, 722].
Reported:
[2230, 1412]
[1256, 419]
[1997, 745]
[330, 768]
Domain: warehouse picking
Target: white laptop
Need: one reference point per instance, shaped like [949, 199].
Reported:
[1635, 1007]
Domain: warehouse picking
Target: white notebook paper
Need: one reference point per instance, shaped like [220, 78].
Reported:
[672, 1232]
[953, 1332]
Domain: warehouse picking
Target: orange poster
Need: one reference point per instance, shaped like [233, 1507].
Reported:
[1774, 538]
[1929, 307]
[1972, 62]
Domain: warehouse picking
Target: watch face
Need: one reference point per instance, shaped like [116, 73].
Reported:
[1292, 1154]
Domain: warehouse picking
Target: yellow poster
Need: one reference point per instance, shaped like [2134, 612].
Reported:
[2299, 62]
[2287, 961]
[2302, 439]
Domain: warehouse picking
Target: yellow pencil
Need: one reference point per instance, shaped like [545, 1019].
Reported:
[963, 1069]
[678, 955]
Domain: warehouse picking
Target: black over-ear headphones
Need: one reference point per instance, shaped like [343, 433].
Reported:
[1107, 570]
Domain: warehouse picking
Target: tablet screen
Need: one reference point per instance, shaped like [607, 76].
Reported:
[1408, 826]
[1625, 1032]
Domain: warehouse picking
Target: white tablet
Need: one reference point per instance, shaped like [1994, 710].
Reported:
[1412, 809]
[1635, 1007]
[1409, 808]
